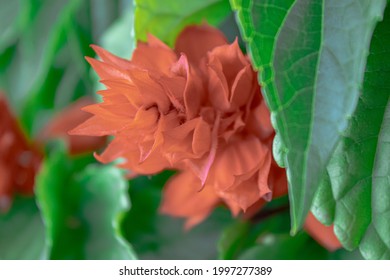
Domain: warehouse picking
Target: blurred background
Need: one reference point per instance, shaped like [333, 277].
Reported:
[60, 203]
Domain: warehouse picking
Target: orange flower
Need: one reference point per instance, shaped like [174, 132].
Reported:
[197, 109]
[19, 159]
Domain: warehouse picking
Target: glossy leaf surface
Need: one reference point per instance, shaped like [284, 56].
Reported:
[81, 207]
[311, 71]
[356, 196]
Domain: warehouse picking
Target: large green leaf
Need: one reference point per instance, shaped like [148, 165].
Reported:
[358, 192]
[311, 57]
[166, 19]
[81, 205]
[22, 233]
[156, 236]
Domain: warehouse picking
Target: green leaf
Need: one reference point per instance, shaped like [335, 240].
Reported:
[244, 234]
[166, 20]
[324, 204]
[232, 240]
[22, 233]
[311, 57]
[285, 247]
[81, 205]
[268, 239]
[157, 236]
[359, 169]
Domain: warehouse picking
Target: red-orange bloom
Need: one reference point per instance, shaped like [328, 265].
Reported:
[19, 159]
[197, 109]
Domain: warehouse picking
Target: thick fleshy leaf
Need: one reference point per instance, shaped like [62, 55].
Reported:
[81, 205]
[22, 233]
[311, 57]
[166, 20]
[356, 195]
[156, 236]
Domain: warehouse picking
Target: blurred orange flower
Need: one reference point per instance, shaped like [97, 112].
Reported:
[19, 159]
[197, 109]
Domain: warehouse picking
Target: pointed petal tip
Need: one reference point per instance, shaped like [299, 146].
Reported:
[72, 132]
[97, 48]
[90, 60]
[77, 131]
[99, 157]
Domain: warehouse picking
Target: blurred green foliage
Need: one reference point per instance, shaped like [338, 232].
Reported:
[81, 204]
[42, 49]
[165, 21]
[161, 237]
[22, 232]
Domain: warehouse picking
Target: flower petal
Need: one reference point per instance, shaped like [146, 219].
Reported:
[189, 140]
[123, 148]
[67, 119]
[243, 195]
[194, 93]
[111, 58]
[259, 122]
[181, 198]
[154, 56]
[107, 71]
[231, 59]
[238, 161]
[241, 90]
[19, 159]
[196, 40]
[119, 91]
[218, 87]
[248, 191]
[278, 180]
[152, 93]
[103, 123]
